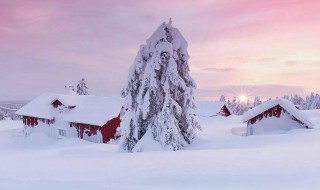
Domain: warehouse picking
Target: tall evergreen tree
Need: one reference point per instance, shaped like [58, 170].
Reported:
[159, 94]
[82, 88]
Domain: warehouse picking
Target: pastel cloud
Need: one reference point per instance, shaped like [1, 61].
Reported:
[231, 43]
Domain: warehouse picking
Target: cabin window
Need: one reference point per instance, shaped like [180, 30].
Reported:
[62, 132]
[60, 110]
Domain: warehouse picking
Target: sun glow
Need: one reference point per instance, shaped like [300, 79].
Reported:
[243, 98]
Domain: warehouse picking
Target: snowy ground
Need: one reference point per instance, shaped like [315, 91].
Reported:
[219, 159]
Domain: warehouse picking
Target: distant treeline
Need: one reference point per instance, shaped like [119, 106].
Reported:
[311, 101]
[8, 109]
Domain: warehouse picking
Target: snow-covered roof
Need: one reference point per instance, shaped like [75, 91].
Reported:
[39, 107]
[209, 108]
[93, 110]
[67, 100]
[285, 104]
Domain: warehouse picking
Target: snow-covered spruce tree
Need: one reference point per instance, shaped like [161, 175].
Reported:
[159, 94]
[82, 88]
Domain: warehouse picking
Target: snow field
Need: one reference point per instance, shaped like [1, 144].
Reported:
[217, 159]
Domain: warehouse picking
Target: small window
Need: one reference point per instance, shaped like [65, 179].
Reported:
[62, 132]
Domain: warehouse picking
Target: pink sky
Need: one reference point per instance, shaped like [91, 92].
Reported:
[265, 48]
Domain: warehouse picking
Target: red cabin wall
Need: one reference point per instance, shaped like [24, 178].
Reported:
[85, 129]
[276, 111]
[33, 121]
[108, 130]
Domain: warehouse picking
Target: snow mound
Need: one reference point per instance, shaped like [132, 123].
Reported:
[216, 160]
[10, 124]
[147, 144]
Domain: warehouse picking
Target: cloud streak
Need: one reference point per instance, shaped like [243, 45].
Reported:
[263, 91]
[219, 69]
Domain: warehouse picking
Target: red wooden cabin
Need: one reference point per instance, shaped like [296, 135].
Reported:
[92, 118]
[275, 115]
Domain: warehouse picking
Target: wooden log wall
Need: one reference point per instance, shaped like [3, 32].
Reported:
[276, 111]
[33, 121]
[108, 131]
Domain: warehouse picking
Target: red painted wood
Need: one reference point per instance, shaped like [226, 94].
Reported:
[33, 121]
[224, 111]
[108, 130]
[56, 103]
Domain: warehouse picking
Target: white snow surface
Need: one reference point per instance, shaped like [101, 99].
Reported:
[89, 109]
[286, 104]
[208, 108]
[220, 158]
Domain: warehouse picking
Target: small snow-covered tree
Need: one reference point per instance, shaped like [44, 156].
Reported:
[82, 88]
[159, 94]
[309, 102]
[257, 101]
[222, 98]
[237, 108]
[229, 103]
[233, 104]
[297, 100]
[286, 97]
[316, 102]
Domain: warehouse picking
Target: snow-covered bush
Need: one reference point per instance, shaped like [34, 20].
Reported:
[159, 93]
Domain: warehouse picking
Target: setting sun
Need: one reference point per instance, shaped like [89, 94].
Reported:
[243, 98]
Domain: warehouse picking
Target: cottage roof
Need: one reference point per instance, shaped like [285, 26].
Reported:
[93, 110]
[209, 108]
[66, 100]
[285, 104]
[39, 107]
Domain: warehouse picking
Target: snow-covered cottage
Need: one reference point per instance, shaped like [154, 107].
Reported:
[210, 109]
[275, 115]
[88, 117]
